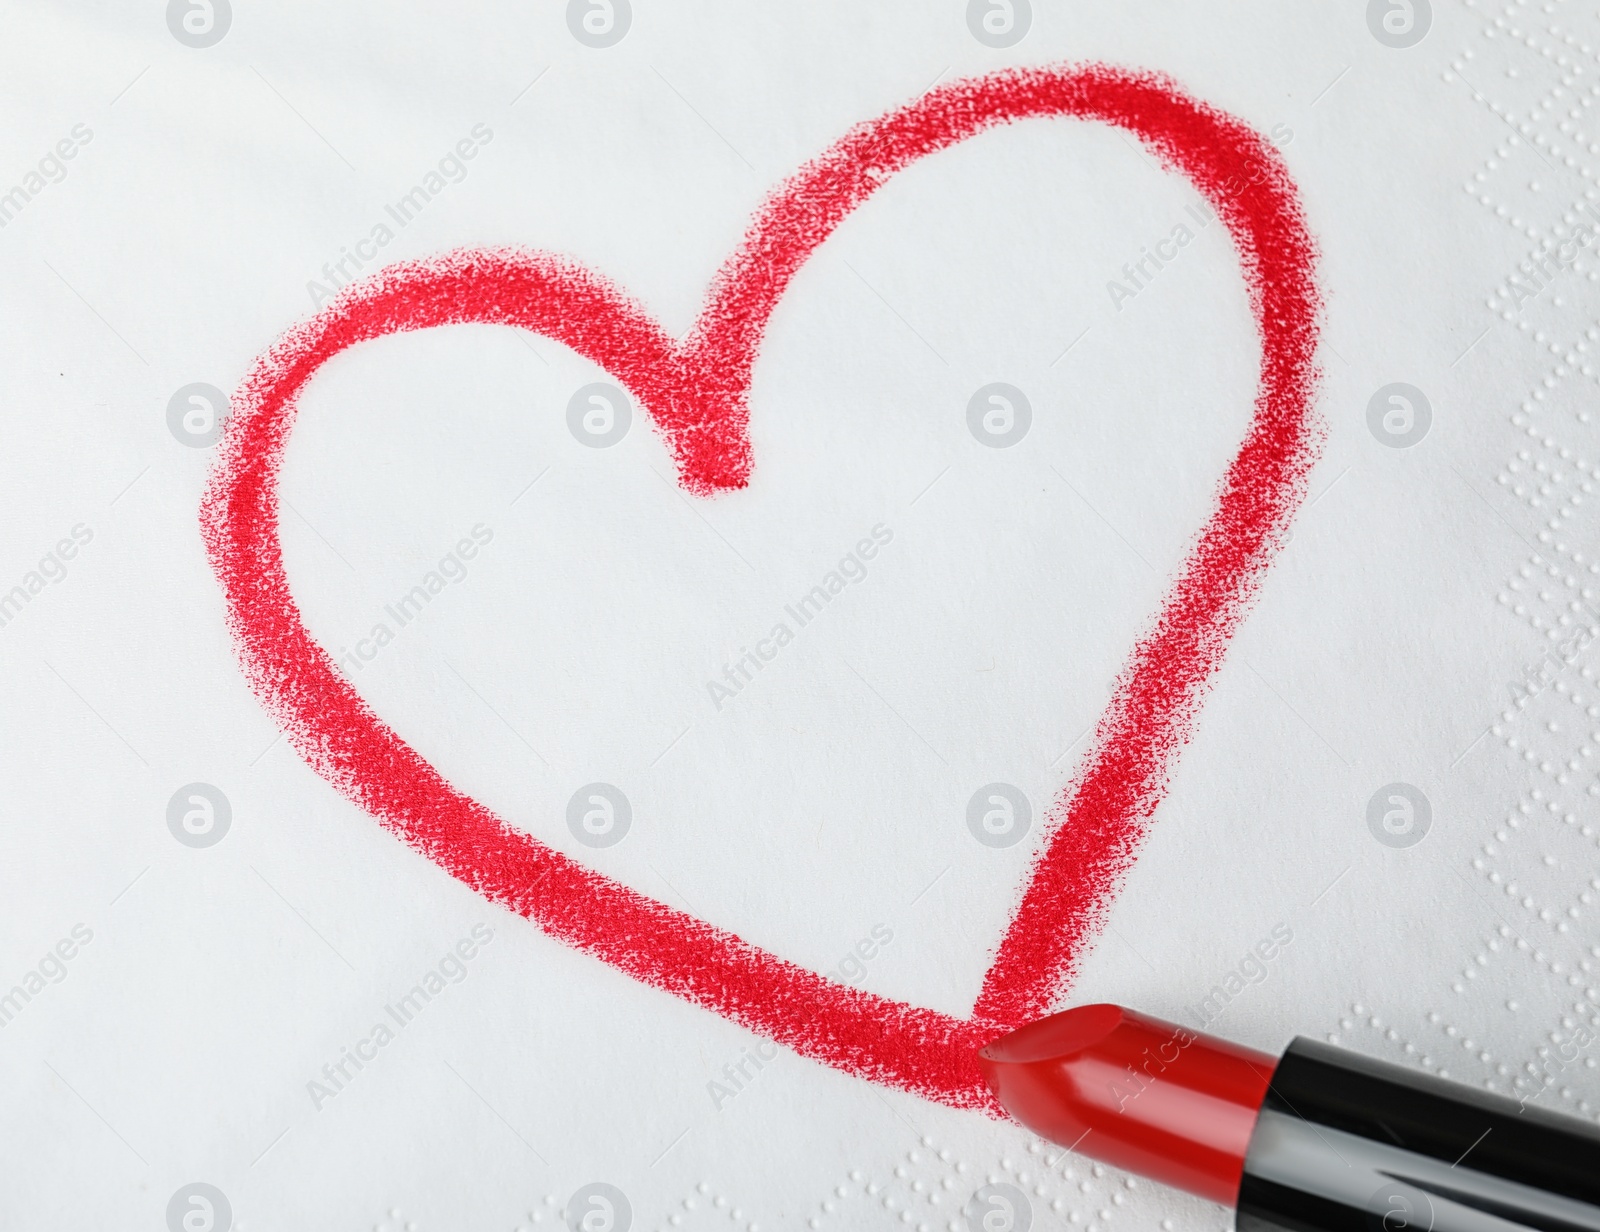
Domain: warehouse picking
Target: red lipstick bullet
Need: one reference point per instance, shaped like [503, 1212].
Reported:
[1145, 1095]
[1321, 1140]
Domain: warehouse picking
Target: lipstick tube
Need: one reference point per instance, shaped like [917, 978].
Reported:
[1320, 1140]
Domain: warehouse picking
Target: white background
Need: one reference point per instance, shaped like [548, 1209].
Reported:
[830, 795]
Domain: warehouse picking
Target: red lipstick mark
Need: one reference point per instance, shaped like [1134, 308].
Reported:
[1136, 1092]
[695, 392]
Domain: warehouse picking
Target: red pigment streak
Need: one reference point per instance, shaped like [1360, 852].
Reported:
[695, 393]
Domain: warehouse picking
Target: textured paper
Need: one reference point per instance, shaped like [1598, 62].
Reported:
[824, 807]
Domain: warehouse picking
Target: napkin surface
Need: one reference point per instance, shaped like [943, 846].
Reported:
[1383, 830]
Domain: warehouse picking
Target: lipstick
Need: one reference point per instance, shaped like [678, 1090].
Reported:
[1318, 1140]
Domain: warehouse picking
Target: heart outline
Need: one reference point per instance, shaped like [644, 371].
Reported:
[695, 394]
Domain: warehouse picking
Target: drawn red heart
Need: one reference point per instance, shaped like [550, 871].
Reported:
[695, 393]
